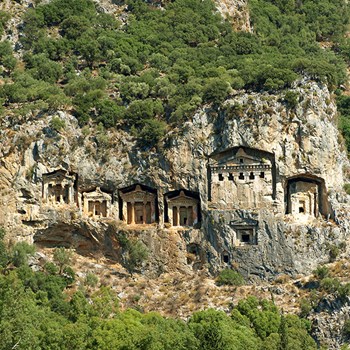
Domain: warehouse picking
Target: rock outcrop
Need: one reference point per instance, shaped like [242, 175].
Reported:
[261, 238]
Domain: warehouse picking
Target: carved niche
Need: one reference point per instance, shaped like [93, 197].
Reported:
[183, 208]
[59, 187]
[139, 205]
[97, 203]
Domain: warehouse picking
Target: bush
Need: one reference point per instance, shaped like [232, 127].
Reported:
[305, 307]
[330, 285]
[91, 280]
[62, 257]
[333, 252]
[57, 124]
[346, 329]
[347, 188]
[291, 99]
[321, 272]
[229, 277]
[152, 131]
[21, 252]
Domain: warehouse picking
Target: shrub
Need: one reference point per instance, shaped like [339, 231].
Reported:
[91, 280]
[229, 277]
[291, 99]
[305, 307]
[346, 329]
[321, 272]
[21, 252]
[330, 285]
[333, 252]
[152, 131]
[347, 188]
[57, 124]
[62, 257]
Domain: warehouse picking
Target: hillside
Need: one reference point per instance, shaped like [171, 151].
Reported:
[175, 147]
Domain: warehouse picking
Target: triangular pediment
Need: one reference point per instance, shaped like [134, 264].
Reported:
[240, 158]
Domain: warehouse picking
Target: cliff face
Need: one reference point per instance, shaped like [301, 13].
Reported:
[285, 222]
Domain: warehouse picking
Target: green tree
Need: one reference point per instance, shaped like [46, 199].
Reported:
[62, 257]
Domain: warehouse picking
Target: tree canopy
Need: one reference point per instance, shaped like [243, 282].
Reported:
[157, 67]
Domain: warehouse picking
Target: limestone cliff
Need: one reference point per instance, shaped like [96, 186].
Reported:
[304, 147]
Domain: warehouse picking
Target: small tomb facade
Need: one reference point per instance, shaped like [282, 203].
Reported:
[138, 205]
[97, 203]
[303, 197]
[245, 232]
[183, 208]
[241, 178]
[59, 187]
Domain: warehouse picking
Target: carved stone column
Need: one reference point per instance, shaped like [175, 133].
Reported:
[178, 216]
[144, 213]
[132, 213]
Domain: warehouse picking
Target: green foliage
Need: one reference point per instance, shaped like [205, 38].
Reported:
[330, 285]
[347, 188]
[57, 124]
[21, 252]
[165, 63]
[62, 257]
[229, 277]
[333, 252]
[91, 279]
[291, 99]
[36, 312]
[4, 255]
[346, 329]
[321, 272]
[343, 104]
[152, 131]
[4, 18]
[135, 255]
[305, 307]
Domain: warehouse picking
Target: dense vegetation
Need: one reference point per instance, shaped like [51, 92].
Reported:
[38, 311]
[160, 65]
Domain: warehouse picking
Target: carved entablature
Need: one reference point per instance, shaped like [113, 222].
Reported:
[138, 204]
[241, 178]
[58, 187]
[183, 209]
[245, 232]
[137, 195]
[97, 203]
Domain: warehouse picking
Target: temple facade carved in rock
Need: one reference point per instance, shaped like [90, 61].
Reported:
[59, 187]
[183, 209]
[97, 203]
[138, 205]
[240, 178]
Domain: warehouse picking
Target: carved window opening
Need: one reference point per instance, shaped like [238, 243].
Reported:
[230, 176]
[221, 177]
[262, 175]
[225, 257]
[241, 160]
[241, 176]
[246, 236]
[251, 176]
